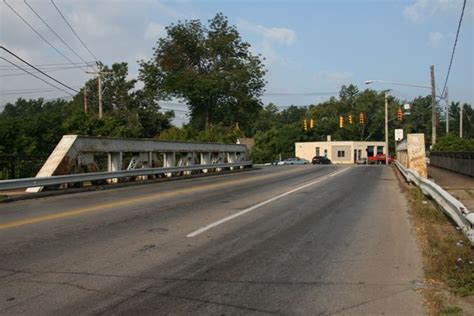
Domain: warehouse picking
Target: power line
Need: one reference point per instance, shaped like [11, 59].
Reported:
[175, 110]
[37, 69]
[50, 65]
[45, 70]
[64, 18]
[38, 33]
[454, 48]
[54, 32]
[48, 83]
[28, 92]
[24, 90]
[300, 93]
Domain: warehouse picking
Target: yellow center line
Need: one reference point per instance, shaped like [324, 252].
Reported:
[130, 201]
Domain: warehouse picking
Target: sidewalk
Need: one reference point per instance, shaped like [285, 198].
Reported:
[458, 185]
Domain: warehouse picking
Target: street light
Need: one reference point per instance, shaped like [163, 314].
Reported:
[397, 83]
[433, 98]
[386, 120]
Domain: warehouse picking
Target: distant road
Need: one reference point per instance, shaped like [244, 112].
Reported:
[280, 240]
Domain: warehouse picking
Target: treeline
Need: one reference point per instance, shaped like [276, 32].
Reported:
[34, 127]
[212, 70]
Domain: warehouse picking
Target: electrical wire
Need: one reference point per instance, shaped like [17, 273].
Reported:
[7, 67]
[300, 93]
[28, 92]
[83, 44]
[454, 49]
[48, 83]
[39, 34]
[54, 32]
[23, 90]
[45, 70]
[37, 69]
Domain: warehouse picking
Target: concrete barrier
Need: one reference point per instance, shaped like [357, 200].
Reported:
[461, 162]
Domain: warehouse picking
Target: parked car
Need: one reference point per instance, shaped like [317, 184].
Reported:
[293, 161]
[379, 159]
[321, 160]
[361, 161]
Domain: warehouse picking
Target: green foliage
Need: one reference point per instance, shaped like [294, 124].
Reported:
[454, 143]
[214, 134]
[210, 68]
[32, 127]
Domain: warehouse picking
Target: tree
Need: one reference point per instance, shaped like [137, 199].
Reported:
[211, 69]
[32, 127]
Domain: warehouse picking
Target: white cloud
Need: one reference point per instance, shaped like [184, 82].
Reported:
[421, 9]
[281, 35]
[436, 39]
[154, 31]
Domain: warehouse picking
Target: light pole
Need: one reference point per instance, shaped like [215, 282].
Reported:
[433, 98]
[386, 127]
[386, 120]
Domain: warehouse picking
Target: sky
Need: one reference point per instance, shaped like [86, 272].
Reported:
[310, 47]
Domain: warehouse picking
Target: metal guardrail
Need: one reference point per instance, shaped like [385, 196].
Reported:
[93, 176]
[450, 205]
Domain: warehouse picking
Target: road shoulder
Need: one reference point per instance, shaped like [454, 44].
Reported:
[447, 257]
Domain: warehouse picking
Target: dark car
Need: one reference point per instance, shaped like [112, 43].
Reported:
[320, 160]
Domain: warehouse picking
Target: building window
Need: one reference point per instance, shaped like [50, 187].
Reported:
[317, 151]
[370, 151]
[341, 154]
[379, 150]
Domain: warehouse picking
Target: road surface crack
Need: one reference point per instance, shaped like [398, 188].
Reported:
[247, 308]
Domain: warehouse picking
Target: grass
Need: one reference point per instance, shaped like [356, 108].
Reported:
[452, 310]
[3, 197]
[448, 258]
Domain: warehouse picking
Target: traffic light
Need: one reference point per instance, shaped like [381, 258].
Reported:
[311, 123]
[400, 114]
[349, 118]
[305, 125]
[341, 121]
[361, 118]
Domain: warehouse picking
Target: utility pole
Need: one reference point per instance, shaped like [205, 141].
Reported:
[447, 110]
[99, 74]
[433, 106]
[460, 120]
[99, 83]
[386, 128]
[85, 99]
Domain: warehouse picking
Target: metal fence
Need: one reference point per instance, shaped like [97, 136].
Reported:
[15, 166]
[461, 162]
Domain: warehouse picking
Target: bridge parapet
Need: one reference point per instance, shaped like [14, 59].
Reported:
[81, 154]
[411, 153]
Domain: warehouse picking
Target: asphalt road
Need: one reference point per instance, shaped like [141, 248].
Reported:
[280, 240]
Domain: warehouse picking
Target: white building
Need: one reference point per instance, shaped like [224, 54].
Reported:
[339, 152]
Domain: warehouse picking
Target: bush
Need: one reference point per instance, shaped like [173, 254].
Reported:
[454, 143]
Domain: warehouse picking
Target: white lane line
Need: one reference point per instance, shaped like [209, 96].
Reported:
[254, 207]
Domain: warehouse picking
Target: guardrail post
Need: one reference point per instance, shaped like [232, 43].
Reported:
[169, 160]
[189, 162]
[231, 158]
[114, 163]
[145, 158]
[205, 160]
